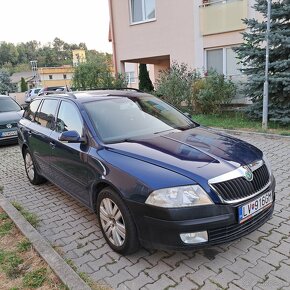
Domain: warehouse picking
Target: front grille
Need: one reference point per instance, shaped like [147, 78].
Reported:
[236, 231]
[3, 126]
[239, 188]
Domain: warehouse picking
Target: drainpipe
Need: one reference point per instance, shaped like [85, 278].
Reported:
[113, 37]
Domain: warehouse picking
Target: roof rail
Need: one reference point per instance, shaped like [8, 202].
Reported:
[108, 89]
[58, 94]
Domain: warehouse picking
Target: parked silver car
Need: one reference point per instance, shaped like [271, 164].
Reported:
[31, 94]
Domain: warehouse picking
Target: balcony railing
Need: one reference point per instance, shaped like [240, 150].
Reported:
[218, 16]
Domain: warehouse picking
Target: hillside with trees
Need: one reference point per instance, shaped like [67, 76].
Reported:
[17, 57]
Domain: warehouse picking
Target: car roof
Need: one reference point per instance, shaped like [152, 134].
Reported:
[86, 96]
[5, 96]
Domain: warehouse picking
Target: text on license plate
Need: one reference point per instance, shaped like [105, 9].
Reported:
[9, 133]
[252, 208]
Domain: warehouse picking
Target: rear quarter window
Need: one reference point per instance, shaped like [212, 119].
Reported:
[30, 112]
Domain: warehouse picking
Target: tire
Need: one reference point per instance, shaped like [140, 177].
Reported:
[31, 170]
[116, 223]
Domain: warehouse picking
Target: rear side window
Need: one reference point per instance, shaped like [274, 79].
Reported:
[30, 112]
[46, 114]
[68, 118]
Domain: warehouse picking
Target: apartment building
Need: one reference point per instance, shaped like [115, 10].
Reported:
[200, 33]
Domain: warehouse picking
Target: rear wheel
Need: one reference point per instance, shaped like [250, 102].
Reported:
[116, 222]
[31, 170]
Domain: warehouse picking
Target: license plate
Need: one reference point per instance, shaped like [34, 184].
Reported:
[9, 133]
[254, 207]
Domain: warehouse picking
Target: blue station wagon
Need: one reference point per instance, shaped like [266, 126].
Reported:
[154, 177]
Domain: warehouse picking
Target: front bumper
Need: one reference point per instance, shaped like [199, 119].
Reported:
[8, 140]
[161, 228]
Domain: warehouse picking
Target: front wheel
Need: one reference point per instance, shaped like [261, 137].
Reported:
[116, 222]
[31, 170]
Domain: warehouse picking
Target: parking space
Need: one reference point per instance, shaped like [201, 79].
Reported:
[261, 260]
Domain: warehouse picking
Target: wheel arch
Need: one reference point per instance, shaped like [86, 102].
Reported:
[97, 188]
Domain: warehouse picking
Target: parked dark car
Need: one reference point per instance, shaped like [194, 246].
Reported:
[153, 176]
[10, 113]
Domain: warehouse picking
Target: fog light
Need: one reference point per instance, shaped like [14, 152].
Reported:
[194, 238]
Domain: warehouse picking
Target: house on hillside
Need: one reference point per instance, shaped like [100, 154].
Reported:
[28, 76]
[200, 33]
[56, 76]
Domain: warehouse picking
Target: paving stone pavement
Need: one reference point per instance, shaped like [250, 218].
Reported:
[260, 260]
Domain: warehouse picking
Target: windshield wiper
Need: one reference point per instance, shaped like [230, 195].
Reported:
[158, 132]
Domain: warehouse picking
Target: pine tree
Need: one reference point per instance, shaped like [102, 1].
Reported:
[23, 85]
[145, 83]
[252, 55]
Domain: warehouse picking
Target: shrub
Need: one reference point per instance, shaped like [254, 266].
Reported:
[210, 93]
[174, 85]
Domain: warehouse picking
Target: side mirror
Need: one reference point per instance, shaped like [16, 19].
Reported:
[71, 137]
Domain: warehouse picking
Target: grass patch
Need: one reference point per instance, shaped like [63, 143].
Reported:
[5, 228]
[10, 262]
[30, 217]
[238, 120]
[35, 278]
[3, 216]
[24, 246]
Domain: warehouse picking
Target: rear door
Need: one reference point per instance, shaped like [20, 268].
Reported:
[37, 133]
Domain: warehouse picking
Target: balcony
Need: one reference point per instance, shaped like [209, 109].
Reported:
[222, 16]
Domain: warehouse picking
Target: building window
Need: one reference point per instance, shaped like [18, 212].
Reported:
[130, 77]
[64, 77]
[50, 77]
[142, 10]
[223, 60]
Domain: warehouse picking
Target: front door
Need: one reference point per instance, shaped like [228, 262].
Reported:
[69, 160]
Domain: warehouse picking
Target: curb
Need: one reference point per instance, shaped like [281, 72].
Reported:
[232, 131]
[65, 273]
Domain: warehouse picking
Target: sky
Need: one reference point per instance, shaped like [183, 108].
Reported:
[70, 20]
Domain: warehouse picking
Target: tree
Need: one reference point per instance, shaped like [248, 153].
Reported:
[95, 74]
[252, 55]
[23, 85]
[8, 53]
[5, 83]
[145, 83]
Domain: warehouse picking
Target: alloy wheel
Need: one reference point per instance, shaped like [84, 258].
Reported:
[29, 166]
[112, 222]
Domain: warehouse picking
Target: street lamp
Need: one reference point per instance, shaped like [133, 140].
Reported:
[266, 83]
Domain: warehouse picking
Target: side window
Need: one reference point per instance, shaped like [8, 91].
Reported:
[68, 118]
[46, 114]
[30, 112]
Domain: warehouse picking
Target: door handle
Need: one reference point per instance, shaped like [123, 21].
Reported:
[29, 133]
[52, 145]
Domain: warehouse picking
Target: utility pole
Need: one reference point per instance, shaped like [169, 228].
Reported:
[33, 64]
[266, 83]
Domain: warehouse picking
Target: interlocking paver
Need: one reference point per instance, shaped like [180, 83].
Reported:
[224, 278]
[162, 283]
[272, 282]
[260, 259]
[248, 281]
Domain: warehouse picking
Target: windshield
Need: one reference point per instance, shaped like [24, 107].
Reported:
[8, 105]
[124, 118]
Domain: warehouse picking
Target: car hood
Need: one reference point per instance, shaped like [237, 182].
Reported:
[9, 117]
[196, 153]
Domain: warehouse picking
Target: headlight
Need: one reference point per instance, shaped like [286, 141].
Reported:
[182, 196]
[267, 164]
